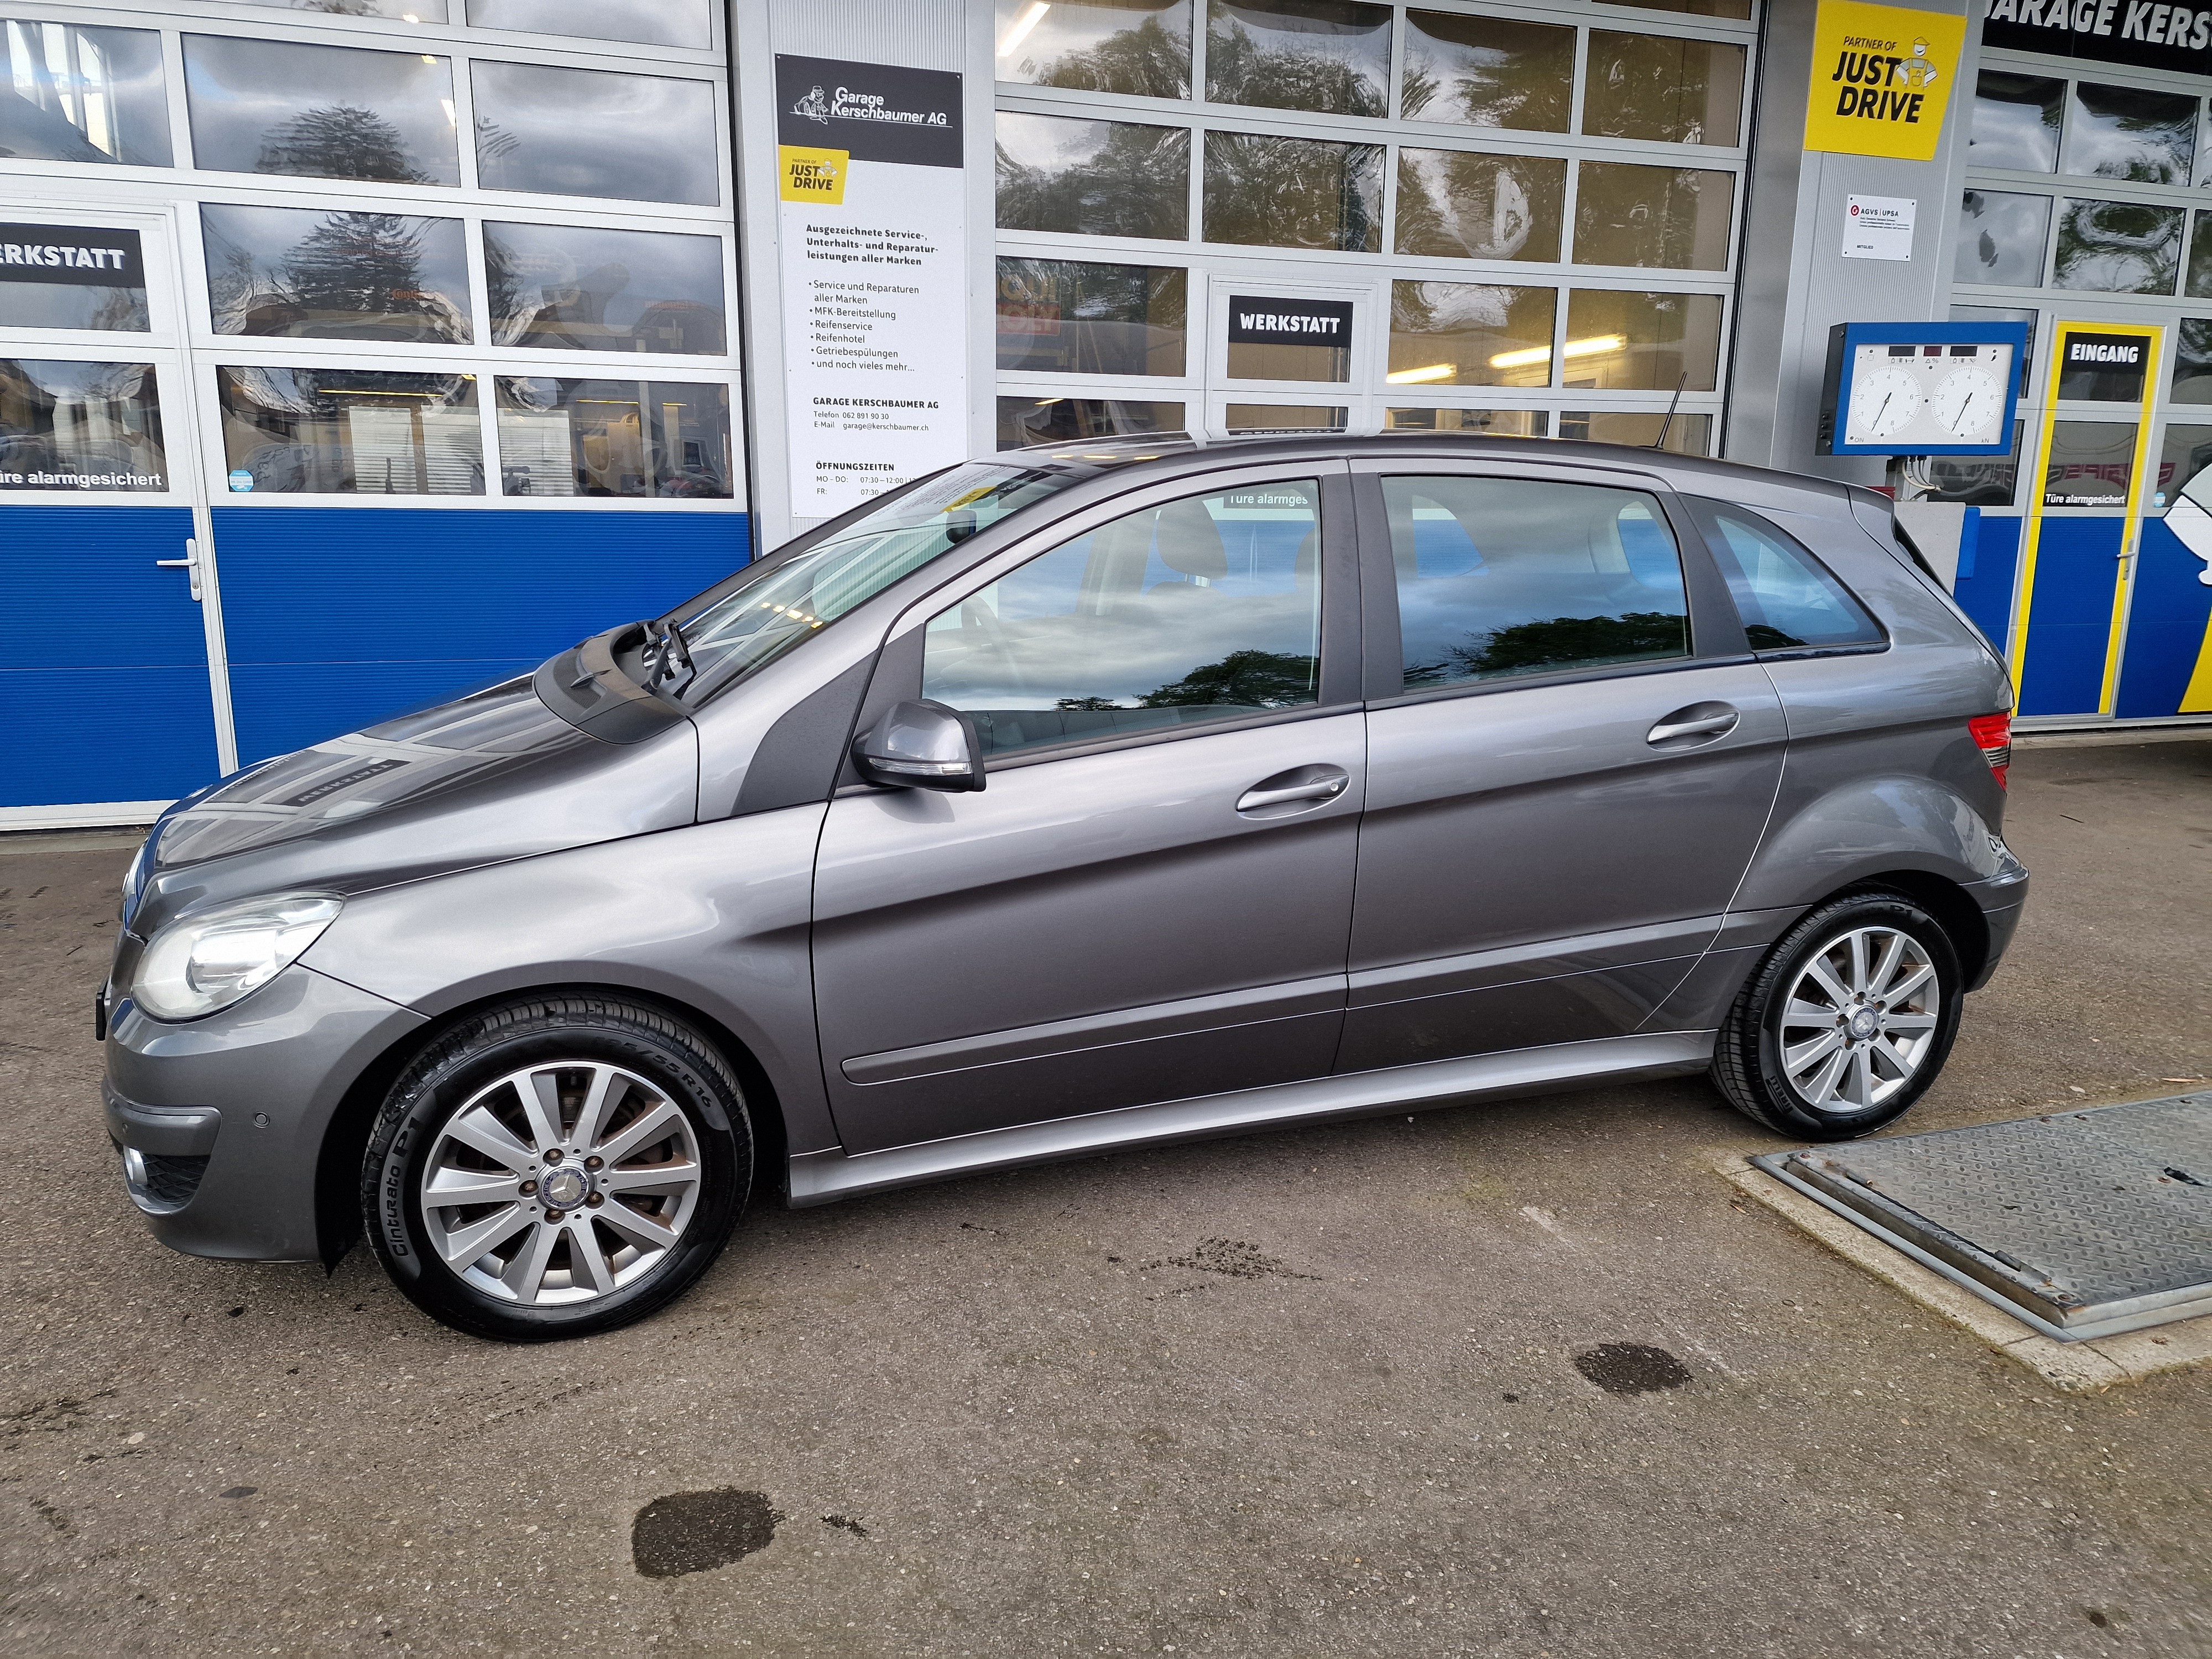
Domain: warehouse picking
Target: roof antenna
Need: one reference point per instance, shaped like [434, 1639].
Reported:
[1673, 404]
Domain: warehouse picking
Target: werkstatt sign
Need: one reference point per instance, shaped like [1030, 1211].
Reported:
[1881, 79]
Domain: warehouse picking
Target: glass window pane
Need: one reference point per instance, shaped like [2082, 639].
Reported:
[1625, 341]
[2132, 133]
[2000, 238]
[1685, 434]
[1500, 577]
[655, 23]
[2183, 452]
[2197, 285]
[1257, 360]
[1093, 178]
[659, 438]
[2192, 360]
[1252, 419]
[320, 112]
[1273, 191]
[1457, 204]
[350, 432]
[586, 132]
[1487, 71]
[2118, 247]
[1626, 215]
[1490, 423]
[574, 288]
[1470, 334]
[1327, 55]
[102, 285]
[1072, 317]
[2016, 122]
[1663, 89]
[1693, 7]
[1203, 610]
[69, 94]
[428, 11]
[1024, 420]
[2091, 464]
[1138, 46]
[302, 273]
[1784, 595]
[80, 425]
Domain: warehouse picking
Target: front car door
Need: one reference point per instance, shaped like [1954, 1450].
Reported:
[1572, 756]
[1152, 899]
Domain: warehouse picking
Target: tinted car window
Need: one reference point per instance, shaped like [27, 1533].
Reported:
[1785, 596]
[1205, 608]
[1500, 577]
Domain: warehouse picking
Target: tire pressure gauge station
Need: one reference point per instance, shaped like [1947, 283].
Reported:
[1921, 388]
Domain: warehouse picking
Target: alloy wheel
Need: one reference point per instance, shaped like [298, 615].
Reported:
[560, 1183]
[1860, 1020]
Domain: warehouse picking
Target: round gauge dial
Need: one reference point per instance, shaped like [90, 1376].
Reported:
[1884, 403]
[1967, 403]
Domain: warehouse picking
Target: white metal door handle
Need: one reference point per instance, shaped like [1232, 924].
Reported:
[190, 564]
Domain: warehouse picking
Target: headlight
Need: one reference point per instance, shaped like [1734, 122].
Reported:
[197, 965]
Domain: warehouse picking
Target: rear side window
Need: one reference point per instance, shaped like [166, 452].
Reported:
[1500, 577]
[1786, 597]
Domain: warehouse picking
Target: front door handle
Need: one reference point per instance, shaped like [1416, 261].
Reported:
[190, 564]
[1699, 722]
[1299, 790]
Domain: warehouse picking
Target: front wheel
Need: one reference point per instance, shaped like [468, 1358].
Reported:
[555, 1167]
[1846, 1021]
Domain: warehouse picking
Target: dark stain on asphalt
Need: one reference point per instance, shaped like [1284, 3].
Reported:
[240, 1492]
[1632, 1368]
[1233, 1259]
[695, 1531]
[845, 1522]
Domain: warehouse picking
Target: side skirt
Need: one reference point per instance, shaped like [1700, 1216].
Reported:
[825, 1177]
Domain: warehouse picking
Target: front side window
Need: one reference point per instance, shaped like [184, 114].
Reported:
[1203, 610]
[83, 94]
[80, 425]
[320, 112]
[301, 273]
[1502, 577]
[1785, 596]
[580, 288]
[590, 132]
[636, 438]
[350, 432]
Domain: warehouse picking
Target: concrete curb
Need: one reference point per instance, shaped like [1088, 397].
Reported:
[2076, 1367]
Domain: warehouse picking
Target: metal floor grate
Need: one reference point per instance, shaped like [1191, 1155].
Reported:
[2079, 1224]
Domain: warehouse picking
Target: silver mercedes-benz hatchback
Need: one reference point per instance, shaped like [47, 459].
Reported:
[1066, 800]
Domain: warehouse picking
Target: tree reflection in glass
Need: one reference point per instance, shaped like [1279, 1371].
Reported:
[301, 273]
[1470, 334]
[1141, 47]
[1663, 89]
[2192, 360]
[2132, 133]
[279, 107]
[592, 132]
[1458, 204]
[1678, 217]
[2000, 238]
[1092, 177]
[1332, 55]
[1081, 316]
[1268, 190]
[2199, 285]
[1487, 72]
[2016, 120]
[2118, 247]
[579, 287]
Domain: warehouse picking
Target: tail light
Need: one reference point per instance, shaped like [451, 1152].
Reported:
[1992, 735]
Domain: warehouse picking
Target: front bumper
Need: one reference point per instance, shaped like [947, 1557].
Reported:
[221, 1120]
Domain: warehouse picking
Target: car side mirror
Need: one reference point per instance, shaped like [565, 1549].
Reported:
[920, 745]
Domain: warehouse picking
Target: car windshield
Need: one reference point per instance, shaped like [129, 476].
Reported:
[746, 627]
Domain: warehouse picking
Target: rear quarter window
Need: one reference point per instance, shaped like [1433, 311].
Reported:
[1788, 598]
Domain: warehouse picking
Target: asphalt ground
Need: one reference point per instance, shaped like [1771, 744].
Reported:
[1318, 1393]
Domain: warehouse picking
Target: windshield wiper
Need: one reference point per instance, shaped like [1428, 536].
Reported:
[666, 654]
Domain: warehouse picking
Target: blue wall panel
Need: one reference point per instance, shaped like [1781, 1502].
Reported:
[1986, 568]
[104, 694]
[339, 617]
[2165, 626]
[2069, 618]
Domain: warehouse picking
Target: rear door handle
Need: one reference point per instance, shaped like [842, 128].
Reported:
[1299, 790]
[1702, 720]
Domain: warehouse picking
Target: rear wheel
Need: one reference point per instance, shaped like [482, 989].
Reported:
[555, 1167]
[1846, 1021]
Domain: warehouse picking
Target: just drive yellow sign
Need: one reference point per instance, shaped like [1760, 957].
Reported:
[1881, 79]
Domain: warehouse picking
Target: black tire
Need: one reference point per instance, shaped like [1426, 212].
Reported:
[648, 1061]
[1748, 1061]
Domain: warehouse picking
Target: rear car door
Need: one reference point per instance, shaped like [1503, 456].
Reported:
[1151, 898]
[1572, 755]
